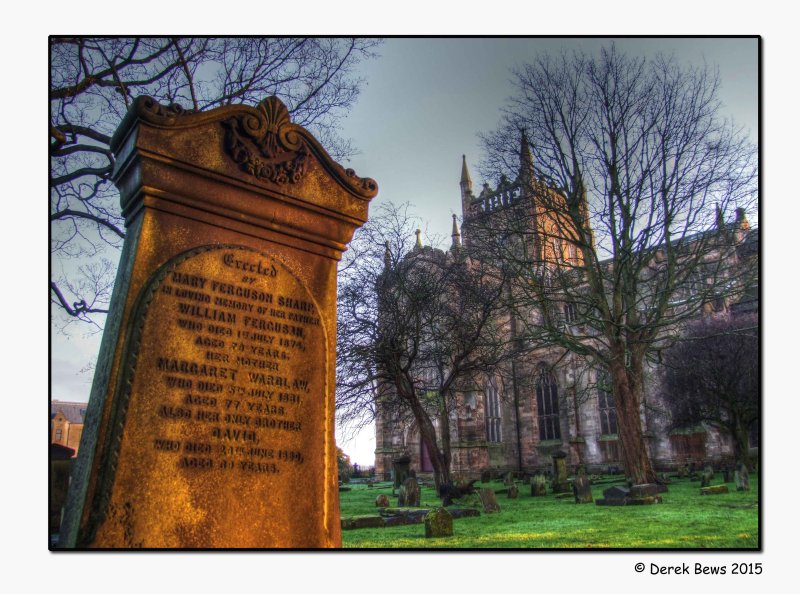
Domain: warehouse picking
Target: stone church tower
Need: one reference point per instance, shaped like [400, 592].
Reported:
[550, 401]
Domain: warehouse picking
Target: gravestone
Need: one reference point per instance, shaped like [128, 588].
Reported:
[742, 477]
[727, 474]
[438, 523]
[582, 488]
[486, 476]
[400, 466]
[614, 496]
[513, 491]
[409, 493]
[538, 485]
[489, 500]
[212, 406]
[560, 482]
[708, 476]
[647, 489]
[634, 495]
[382, 501]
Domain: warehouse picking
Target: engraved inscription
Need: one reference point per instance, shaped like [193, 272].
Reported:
[241, 380]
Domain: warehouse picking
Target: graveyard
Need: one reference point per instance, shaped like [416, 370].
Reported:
[210, 422]
[684, 519]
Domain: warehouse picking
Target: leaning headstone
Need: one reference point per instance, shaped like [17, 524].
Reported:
[742, 477]
[513, 491]
[411, 493]
[213, 395]
[538, 485]
[560, 482]
[489, 500]
[438, 523]
[382, 501]
[582, 489]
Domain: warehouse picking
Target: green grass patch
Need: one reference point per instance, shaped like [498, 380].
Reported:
[685, 519]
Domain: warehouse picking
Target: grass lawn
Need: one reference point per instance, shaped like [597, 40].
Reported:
[685, 519]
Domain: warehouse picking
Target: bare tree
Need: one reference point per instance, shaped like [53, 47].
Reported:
[93, 82]
[416, 324]
[625, 239]
[712, 377]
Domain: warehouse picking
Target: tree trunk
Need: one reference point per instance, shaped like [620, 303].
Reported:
[741, 444]
[427, 432]
[627, 398]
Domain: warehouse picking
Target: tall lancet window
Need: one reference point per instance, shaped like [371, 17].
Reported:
[547, 405]
[493, 420]
[605, 404]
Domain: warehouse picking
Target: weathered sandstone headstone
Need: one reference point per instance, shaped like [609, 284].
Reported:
[382, 501]
[212, 406]
[538, 485]
[489, 500]
[438, 523]
[742, 477]
[409, 493]
[513, 491]
[582, 488]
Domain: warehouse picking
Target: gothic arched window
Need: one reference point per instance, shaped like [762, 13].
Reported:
[493, 421]
[547, 405]
[605, 404]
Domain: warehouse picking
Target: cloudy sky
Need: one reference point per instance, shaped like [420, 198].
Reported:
[423, 105]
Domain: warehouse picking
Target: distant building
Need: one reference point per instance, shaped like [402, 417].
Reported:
[551, 400]
[66, 423]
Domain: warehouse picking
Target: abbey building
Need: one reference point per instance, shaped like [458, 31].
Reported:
[552, 398]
